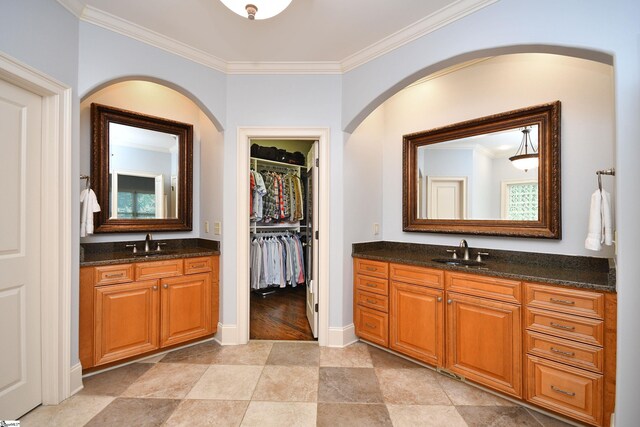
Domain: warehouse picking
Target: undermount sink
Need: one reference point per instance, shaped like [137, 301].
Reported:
[152, 253]
[459, 262]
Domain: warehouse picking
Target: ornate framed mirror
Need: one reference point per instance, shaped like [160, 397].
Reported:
[497, 175]
[141, 171]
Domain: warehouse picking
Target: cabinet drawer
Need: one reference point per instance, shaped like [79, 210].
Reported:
[566, 390]
[197, 265]
[565, 351]
[371, 268]
[159, 269]
[375, 301]
[571, 301]
[589, 331]
[484, 286]
[372, 284]
[112, 274]
[417, 275]
[372, 325]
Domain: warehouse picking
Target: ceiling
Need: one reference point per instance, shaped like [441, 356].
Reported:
[330, 36]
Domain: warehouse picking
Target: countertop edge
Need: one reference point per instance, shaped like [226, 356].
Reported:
[488, 272]
[138, 259]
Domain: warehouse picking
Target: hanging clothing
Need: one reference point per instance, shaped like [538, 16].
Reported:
[276, 261]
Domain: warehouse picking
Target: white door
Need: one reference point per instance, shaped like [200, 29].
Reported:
[312, 243]
[20, 145]
[446, 197]
[161, 201]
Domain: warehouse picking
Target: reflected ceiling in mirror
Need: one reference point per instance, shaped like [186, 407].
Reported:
[141, 171]
[462, 178]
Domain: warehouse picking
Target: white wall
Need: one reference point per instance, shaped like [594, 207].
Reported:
[585, 89]
[155, 100]
[362, 202]
[211, 177]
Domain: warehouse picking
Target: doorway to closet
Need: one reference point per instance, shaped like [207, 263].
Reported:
[283, 256]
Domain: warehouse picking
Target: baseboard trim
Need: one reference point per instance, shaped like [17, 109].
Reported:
[342, 336]
[75, 379]
[226, 334]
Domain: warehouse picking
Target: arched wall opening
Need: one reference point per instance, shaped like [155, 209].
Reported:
[472, 89]
[147, 96]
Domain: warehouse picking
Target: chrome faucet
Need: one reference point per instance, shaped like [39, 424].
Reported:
[463, 244]
[148, 240]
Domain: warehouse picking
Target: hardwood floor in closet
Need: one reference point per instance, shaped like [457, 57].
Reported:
[280, 316]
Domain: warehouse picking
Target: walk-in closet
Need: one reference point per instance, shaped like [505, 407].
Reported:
[283, 301]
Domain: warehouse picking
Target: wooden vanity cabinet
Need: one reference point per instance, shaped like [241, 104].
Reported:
[160, 304]
[371, 300]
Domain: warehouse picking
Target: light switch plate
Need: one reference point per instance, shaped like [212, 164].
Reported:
[217, 228]
[206, 226]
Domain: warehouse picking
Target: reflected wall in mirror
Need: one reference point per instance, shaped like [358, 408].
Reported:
[141, 170]
[497, 175]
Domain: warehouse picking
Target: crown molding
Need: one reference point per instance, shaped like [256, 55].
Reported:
[145, 35]
[424, 26]
[436, 20]
[326, 67]
[74, 6]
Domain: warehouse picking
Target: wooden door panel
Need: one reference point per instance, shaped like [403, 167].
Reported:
[126, 320]
[484, 342]
[417, 322]
[372, 325]
[186, 308]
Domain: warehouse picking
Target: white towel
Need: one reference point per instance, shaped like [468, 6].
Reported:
[600, 228]
[88, 206]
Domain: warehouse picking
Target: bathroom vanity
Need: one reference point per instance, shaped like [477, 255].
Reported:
[134, 304]
[539, 328]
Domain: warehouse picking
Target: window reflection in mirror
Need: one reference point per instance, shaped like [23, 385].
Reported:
[143, 171]
[472, 178]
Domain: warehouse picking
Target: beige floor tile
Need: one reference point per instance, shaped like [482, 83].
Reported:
[384, 359]
[125, 411]
[425, 415]
[546, 420]
[353, 356]
[209, 413]
[353, 415]
[411, 387]
[465, 394]
[226, 382]
[295, 353]
[279, 414]
[203, 353]
[75, 411]
[166, 380]
[152, 359]
[254, 353]
[115, 381]
[288, 384]
[348, 385]
[497, 416]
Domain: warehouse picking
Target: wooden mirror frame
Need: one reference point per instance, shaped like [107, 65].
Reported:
[101, 116]
[548, 225]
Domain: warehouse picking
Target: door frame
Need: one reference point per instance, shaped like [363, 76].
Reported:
[56, 230]
[245, 135]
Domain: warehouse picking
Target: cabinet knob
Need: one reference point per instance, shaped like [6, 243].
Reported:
[155, 287]
[449, 301]
[439, 299]
[165, 286]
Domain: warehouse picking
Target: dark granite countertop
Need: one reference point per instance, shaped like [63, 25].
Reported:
[575, 271]
[92, 254]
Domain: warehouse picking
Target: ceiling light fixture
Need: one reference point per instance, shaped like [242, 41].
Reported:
[524, 158]
[257, 9]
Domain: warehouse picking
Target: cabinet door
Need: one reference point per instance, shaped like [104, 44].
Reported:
[484, 342]
[417, 322]
[126, 320]
[186, 308]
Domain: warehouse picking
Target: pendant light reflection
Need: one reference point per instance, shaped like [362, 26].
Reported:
[526, 157]
[257, 9]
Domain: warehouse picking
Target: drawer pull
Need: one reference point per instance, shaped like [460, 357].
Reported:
[562, 301]
[372, 269]
[155, 287]
[197, 265]
[370, 325]
[114, 275]
[564, 353]
[563, 327]
[370, 301]
[559, 390]
[372, 285]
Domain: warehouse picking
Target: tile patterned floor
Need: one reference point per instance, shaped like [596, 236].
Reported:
[281, 384]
